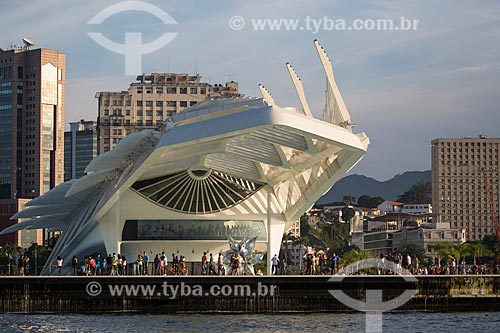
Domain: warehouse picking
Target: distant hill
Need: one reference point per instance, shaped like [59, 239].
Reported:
[358, 185]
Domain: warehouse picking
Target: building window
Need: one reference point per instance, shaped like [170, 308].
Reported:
[172, 103]
[139, 103]
[171, 90]
[193, 91]
[183, 104]
[203, 91]
[159, 104]
[192, 103]
[183, 90]
[149, 103]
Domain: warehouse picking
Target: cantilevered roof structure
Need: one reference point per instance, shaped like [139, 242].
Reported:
[243, 167]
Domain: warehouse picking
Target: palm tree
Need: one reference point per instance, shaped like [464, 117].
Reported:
[476, 250]
[349, 199]
[354, 256]
[10, 251]
[443, 250]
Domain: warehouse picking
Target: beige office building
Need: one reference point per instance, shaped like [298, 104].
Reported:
[149, 101]
[458, 186]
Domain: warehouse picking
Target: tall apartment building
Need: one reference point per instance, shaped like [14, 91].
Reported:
[149, 101]
[31, 131]
[80, 147]
[458, 188]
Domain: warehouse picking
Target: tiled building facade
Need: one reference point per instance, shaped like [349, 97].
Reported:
[149, 101]
[458, 187]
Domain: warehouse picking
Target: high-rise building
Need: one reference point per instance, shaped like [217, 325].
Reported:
[149, 101]
[458, 187]
[31, 130]
[80, 147]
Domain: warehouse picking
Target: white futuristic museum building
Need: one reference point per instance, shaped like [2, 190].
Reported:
[239, 167]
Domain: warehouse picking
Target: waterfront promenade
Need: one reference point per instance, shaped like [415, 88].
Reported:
[242, 294]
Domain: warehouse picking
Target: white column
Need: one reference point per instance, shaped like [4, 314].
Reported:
[269, 238]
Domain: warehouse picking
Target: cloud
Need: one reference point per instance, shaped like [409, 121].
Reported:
[402, 88]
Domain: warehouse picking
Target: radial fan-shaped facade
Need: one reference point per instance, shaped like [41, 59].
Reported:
[198, 191]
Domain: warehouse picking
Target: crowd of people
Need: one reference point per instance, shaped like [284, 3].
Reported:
[391, 264]
[312, 263]
[117, 265]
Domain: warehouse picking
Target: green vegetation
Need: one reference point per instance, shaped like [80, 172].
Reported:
[418, 193]
[349, 199]
[369, 202]
[470, 251]
[352, 256]
[331, 236]
[37, 254]
[347, 214]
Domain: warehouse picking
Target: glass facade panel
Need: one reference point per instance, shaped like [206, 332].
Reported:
[6, 139]
[49, 84]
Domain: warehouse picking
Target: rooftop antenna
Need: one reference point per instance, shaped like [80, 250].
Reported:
[195, 67]
[28, 43]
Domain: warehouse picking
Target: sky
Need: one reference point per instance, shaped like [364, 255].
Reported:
[403, 88]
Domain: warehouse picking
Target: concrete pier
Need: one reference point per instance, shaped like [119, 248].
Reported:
[198, 294]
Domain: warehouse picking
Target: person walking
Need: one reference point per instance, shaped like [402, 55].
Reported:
[282, 266]
[145, 260]
[335, 263]
[124, 265]
[74, 265]
[220, 265]
[275, 260]
[59, 264]
[211, 265]
[114, 265]
[204, 264]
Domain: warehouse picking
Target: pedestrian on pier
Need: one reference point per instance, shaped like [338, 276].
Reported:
[74, 265]
[59, 263]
